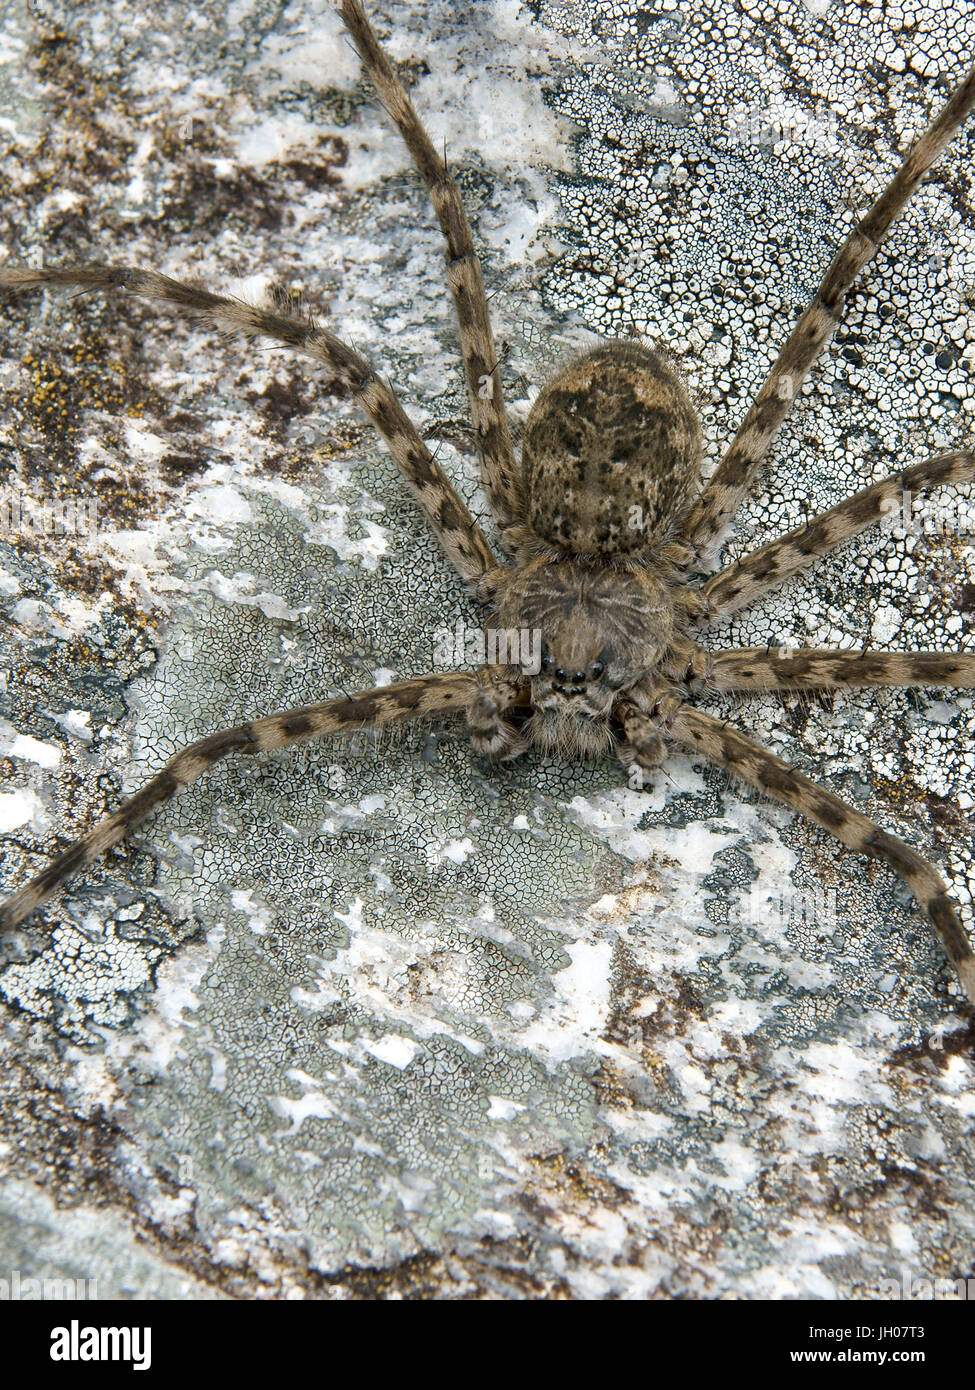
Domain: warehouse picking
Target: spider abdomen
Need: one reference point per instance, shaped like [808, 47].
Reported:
[612, 453]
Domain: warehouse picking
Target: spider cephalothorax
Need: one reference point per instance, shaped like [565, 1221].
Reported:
[604, 526]
[600, 628]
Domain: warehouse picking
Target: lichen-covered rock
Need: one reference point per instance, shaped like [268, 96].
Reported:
[378, 1017]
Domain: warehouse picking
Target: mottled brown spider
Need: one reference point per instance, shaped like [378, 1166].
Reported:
[604, 524]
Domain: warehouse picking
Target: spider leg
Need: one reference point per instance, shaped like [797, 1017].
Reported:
[499, 690]
[447, 693]
[499, 475]
[818, 668]
[719, 500]
[761, 570]
[769, 774]
[645, 712]
[458, 533]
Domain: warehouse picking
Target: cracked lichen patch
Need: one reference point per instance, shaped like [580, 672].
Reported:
[711, 190]
[382, 942]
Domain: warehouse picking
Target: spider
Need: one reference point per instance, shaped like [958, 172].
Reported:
[607, 530]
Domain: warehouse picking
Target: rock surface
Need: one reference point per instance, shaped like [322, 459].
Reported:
[377, 1018]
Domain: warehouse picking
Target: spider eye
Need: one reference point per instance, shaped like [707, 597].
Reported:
[579, 678]
[546, 662]
[559, 674]
[596, 670]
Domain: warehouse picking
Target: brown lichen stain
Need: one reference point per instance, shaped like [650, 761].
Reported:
[106, 370]
[932, 1054]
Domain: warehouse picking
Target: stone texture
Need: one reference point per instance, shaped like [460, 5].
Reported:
[379, 1019]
